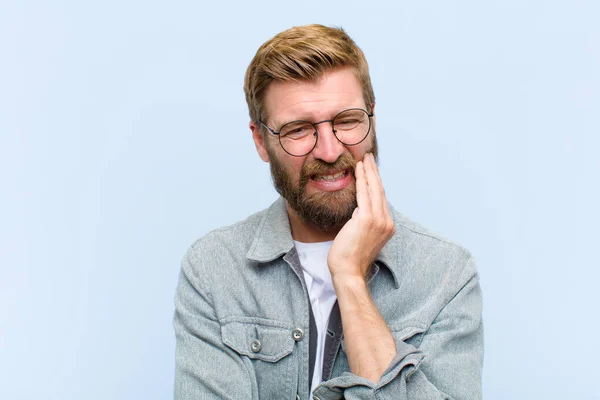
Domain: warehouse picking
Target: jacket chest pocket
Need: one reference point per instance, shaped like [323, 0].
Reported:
[267, 345]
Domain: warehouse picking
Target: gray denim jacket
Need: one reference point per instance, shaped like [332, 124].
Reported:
[243, 320]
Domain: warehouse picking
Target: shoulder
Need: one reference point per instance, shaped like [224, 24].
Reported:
[218, 255]
[420, 252]
[425, 240]
[231, 239]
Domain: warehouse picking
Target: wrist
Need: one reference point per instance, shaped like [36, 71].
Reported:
[348, 282]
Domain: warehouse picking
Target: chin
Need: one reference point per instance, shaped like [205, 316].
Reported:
[327, 210]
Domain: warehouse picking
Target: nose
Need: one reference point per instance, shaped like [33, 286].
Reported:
[328, 147]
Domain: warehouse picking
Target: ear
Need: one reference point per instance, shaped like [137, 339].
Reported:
[257, 136]
[373, 112]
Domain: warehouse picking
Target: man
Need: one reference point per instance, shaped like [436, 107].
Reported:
[329, 292]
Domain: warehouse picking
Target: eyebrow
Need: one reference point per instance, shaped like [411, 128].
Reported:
[304, 118]
[287, 121]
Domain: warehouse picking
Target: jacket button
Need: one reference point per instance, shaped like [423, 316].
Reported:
[297, 334]
[255, 346]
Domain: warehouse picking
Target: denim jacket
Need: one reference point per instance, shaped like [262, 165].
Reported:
[243, 319]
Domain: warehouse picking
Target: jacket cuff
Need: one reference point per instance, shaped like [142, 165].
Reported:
[350, 386]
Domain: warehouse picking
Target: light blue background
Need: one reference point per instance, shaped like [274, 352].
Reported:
[123, 138]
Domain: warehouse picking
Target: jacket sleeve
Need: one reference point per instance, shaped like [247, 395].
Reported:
[447, 365]
[205, 368]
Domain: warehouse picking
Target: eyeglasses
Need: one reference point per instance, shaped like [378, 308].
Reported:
[299, 138]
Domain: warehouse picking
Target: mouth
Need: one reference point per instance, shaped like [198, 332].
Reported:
[331, 176]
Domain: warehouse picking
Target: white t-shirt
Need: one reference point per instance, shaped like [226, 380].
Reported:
[313, 258]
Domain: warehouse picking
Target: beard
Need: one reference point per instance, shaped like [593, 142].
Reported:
[325, 210]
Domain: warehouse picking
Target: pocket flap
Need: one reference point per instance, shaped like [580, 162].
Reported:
[258, 338]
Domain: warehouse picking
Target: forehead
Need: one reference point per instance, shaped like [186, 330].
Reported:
[335, 91]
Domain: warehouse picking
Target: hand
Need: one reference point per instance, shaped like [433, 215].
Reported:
[361, 239]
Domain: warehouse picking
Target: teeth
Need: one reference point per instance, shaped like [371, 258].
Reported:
[330, 177]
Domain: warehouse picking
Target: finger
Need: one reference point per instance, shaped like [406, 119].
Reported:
[374, 185]
[362, 191]
[376, 169]
[390, 224]
[386, 209]
[383, 195]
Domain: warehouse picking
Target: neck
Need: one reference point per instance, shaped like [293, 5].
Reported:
[306, 232]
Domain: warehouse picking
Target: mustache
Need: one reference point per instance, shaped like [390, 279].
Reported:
[319, 167]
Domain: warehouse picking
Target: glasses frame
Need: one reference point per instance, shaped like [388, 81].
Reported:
[316, 133]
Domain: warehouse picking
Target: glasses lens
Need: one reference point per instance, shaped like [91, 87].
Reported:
[298, 138]
[351, 126]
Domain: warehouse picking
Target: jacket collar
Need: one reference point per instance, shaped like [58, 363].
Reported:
[274, 238]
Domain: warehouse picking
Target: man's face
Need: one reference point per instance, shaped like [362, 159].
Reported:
[320, 187]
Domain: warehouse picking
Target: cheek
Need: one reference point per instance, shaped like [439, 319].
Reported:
[294, 167]
[358, 152]
[291, 165]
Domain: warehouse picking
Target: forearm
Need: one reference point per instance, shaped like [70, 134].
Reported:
[446, 363]
[370, 345]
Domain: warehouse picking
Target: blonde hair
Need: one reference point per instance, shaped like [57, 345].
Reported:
[299, 54]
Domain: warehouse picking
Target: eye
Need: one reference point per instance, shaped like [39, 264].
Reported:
[297, 130]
